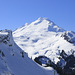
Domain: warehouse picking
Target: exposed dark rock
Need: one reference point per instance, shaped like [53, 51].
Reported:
[3, 55]
[69, 36]
[22, 53]
[43, 60]
[66, 65]
[63, 54]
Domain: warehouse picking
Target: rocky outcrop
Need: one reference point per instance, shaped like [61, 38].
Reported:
[65, 65]
[69, 36]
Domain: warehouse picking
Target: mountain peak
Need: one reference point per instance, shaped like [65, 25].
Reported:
[40, 25]
[40, 20]
[43, 18]
[46, 24]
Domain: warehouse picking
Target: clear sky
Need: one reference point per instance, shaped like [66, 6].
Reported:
[15, 13]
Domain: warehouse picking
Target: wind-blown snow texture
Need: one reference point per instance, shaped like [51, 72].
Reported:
[43, 37]
[14, 61]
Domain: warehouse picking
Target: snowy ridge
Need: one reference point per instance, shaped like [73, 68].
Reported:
[42, 37]
[69, 36]
[14, 61]
[40, 25]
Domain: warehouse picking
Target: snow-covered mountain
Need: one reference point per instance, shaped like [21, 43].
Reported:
[14, 61]
[43, 37]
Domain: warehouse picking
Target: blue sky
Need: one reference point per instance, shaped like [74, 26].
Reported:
[15, 13]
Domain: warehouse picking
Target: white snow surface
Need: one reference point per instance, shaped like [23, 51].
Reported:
[12, 62]
[42, 37]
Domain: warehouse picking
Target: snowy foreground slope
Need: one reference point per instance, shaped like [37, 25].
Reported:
[13, 61]
[43, 37]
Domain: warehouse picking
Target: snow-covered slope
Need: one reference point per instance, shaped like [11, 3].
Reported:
[43, 37]
[14, 61]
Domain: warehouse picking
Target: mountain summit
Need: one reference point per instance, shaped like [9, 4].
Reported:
[41, 25]
[43, 37]
[47, 25]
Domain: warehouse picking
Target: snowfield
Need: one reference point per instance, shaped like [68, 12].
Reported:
[42, 41]
[14, 61]
[43, 37]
